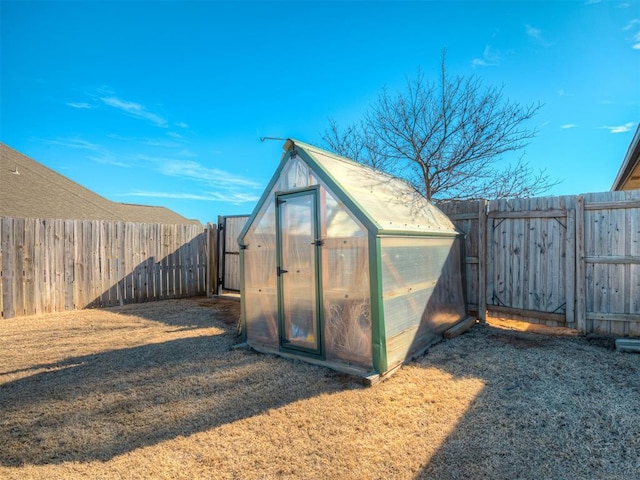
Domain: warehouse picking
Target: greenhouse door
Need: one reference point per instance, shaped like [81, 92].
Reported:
[298, 275]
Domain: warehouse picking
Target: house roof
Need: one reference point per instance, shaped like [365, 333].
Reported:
[29, 189]
[628, 177]
[386, 205]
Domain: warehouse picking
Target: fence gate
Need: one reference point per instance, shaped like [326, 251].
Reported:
[229, 227]
[531, 267]
[570, 261]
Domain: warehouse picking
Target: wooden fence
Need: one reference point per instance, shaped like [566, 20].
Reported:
[570, 261]
[57, 265]
[230, 227]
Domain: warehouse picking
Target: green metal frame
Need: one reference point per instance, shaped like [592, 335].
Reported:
[375, 232]
[243, 233]
[319, 352]
[243, 306]
[409, 233]
[378, 331]
[263, 199]
[334, 185]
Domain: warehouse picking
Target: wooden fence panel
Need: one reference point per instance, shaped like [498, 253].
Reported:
[612, 262]
[1, 264]
[18, 266]
[570, 261]
[214, 259]
[528, 256]
[230, 229]
[55, 265]
[470, 218]
[58, 266]
[7, 254]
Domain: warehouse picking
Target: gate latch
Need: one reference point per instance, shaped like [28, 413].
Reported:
[281, 271]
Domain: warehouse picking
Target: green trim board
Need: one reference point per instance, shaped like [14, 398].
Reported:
[378, 333]
[243, 307]
[263, 198]
[290, 144]
[379, 200]
[337, 189]
[371, 204]
[307, 153]
[282, 198]
[400, 233]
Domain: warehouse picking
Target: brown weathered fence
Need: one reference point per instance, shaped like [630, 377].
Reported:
[569, 261]
[470, 217]
[56, 265]
[230, 227]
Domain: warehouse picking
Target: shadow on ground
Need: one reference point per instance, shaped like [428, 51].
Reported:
[551, 408]
[95, 407]
[185, 314]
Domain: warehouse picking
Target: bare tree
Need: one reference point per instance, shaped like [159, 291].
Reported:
[445, 139]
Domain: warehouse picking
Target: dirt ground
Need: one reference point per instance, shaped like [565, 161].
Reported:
[155, 391]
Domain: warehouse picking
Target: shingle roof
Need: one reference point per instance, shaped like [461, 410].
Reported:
[29, 189]
[628, 177]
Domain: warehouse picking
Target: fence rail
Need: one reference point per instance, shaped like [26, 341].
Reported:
[56, 265]
[570, 261]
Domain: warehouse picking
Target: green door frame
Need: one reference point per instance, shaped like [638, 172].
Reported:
[281, 197]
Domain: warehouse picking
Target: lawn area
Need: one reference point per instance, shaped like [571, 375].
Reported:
[155, 391]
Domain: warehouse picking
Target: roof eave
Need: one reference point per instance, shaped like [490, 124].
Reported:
[631, 160]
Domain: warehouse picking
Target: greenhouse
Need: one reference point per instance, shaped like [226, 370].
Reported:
[346, 266]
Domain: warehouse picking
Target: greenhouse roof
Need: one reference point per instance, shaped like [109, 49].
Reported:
[388, 204]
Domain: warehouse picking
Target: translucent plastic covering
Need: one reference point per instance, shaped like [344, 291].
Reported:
[321, 238]
[260, 277]
[346, 288]
[299, 307]
[295, 174]
[389, 201]
[344, 271]
[260, 280]
[422, 292]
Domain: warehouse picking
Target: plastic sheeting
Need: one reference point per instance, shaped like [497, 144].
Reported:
[260, 279]
[346, 287]
[344, 270]
[421, 282]
[389, 201]
[422, 292]
[299, 311]
[295, 175]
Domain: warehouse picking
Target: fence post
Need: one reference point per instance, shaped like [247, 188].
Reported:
[220, 256]
[581, 270]
[7, 267]
[482, 261]
[489, 268]
[570, 265]
[208, 263]
[212, 263]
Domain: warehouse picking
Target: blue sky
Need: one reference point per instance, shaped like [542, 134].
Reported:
[163, 103]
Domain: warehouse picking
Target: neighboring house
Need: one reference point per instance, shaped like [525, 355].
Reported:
[628, 177]
[28, 189]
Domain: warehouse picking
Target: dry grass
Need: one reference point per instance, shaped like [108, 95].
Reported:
[154, 391]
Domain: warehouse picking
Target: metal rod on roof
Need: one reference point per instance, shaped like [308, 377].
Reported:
[262, 139]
